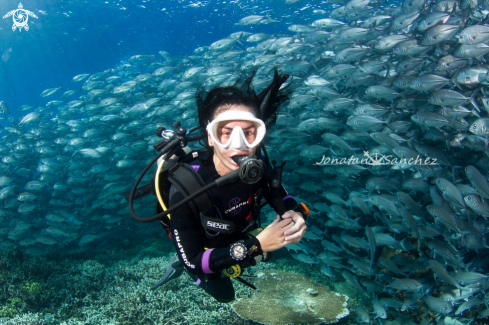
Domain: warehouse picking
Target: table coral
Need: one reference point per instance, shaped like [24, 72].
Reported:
[291, 298]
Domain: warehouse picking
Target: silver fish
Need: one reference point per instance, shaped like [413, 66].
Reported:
[450, 192]
[50, 91]
[379, 309]
[442, 273]
[475, 203]
[438, 34]
[438, 305]
[474, 34]
[478, 181]
[362, 314]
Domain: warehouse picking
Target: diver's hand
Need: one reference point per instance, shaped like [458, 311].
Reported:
[295, 233]
[273, 236]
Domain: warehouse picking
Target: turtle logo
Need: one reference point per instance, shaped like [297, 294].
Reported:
[20, 17]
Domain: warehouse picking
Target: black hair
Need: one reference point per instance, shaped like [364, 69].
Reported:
[264, 105]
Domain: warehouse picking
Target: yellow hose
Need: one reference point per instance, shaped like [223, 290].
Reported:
[157, 180]
[157, 187]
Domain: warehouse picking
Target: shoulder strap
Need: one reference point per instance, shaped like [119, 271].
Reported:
[188, 181]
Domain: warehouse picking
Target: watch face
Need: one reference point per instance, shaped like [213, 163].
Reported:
[238, 252]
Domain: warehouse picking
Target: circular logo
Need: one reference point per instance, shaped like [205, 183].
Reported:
[20, 17]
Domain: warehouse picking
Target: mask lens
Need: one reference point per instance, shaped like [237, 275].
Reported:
[228, 133]
[225, 133]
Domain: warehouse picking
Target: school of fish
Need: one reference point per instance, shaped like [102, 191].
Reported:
[385, 136]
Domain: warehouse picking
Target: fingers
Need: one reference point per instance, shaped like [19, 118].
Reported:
[274, 222]
[296, 237]
[286, 223]
[297, 226]
[288, 214]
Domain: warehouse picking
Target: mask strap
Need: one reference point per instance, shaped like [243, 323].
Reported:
[264, 104]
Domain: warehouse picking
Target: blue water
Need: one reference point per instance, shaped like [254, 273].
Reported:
[114, 273]
[75, 37]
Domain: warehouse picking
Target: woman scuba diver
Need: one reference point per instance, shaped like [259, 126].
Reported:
[216, 240]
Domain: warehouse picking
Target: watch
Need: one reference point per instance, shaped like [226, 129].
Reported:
[238, 251]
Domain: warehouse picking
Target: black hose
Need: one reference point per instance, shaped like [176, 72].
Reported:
[169, 147]
[231, 177]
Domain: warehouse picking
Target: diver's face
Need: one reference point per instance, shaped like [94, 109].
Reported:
[223, 158]
[225, 128]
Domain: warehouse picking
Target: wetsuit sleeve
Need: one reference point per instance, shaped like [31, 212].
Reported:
[289, 201]
[187, 236]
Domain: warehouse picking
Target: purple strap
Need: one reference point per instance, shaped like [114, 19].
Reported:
[197, 282]
[196, 167]
[287, 197]
[205, 261]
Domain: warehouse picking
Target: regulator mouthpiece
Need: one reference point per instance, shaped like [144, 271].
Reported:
[250, 168]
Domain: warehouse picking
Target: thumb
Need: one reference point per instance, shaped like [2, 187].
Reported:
[288, 214]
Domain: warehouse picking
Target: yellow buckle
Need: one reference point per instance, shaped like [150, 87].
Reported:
[233, 271]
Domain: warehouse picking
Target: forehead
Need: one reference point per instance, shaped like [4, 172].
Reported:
[232, 107]
[234, 123]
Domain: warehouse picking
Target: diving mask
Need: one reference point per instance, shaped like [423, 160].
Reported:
[237, 139]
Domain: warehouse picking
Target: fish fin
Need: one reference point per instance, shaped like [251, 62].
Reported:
[454, 79]
[388, 121]
[394, 105]
[474, 112]
[474, 103]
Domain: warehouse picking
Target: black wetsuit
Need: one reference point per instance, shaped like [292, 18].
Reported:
[235, 203]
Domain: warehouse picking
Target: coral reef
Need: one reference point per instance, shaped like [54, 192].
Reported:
[112, 287]
[291, 298]
[109, 288]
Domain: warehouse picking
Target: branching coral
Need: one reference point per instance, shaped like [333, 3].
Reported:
[107, 290]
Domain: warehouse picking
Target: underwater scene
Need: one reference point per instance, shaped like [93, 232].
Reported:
[385, 138]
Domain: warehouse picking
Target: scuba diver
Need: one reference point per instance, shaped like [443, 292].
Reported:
[216, 230]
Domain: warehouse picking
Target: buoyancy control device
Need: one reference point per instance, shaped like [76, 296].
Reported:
[173, 158]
